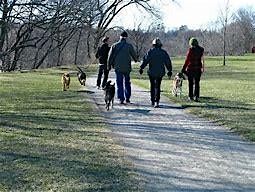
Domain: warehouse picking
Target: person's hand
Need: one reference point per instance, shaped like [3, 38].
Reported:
[183, 71]
[140, 71]
[169, 74]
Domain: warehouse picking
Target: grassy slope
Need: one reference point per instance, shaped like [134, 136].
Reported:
[227, 92]
[55, 141]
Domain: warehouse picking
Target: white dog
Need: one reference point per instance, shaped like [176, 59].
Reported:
[177, 84]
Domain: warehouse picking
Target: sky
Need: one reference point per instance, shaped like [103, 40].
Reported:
[196, 14]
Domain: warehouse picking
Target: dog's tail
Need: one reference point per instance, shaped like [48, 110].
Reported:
[79, 69]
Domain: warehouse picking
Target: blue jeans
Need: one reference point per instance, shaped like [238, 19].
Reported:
[123, 86]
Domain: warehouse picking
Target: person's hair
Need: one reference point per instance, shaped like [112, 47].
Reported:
[124, 34]
[193, 42]
[156, 43]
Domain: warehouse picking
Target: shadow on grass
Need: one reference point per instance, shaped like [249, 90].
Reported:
[214, 103]
[58, 143]
[86, 91]
[47, 167]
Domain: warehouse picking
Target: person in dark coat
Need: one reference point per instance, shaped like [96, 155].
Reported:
[158, 59]
[193, 68]
[119, 58]
[102, 55]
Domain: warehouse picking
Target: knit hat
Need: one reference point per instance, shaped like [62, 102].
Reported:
[124, 34]
[193, 41]
[156, 42]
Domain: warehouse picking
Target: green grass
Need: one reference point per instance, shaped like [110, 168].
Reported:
[52, 140]
[227, 92]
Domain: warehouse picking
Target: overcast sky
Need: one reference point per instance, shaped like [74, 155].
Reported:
[193, 13]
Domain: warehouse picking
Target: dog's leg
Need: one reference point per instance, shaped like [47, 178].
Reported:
[112, 102]
[108, 106]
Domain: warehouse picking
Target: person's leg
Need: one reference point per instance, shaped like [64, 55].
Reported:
[120, 90]
[99, 76]
[197, 77]
[127, 87]
[157, 89]
[106, 72]
[152, 90]
[191, 84]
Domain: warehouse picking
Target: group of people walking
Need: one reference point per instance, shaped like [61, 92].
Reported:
[121, 53]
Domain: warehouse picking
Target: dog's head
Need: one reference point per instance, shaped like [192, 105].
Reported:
[180, 76]
[66, 75]
[108, 85]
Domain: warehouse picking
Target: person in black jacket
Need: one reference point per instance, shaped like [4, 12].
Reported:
[102, 55]
[158, 59]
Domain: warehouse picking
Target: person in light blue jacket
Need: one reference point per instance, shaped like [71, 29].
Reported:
[158, 59]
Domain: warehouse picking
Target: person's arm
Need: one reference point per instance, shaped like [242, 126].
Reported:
[98, 53]
[168, 63]
[146, 59]
[187, 60]
[133, 53]
[203, 64]
[110, 63]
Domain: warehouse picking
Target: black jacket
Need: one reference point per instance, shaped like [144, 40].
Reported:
[102, 53]
[157, 59]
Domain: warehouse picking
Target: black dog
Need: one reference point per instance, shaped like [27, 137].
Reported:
[81, 76]
[109, 94]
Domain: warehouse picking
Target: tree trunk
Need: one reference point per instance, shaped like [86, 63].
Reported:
[77, 47]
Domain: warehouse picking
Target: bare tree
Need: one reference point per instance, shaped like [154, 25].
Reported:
[245, 20]
[139, 37]
[108, 10]
[224, 20]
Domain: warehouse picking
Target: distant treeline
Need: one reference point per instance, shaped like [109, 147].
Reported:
[53, 33]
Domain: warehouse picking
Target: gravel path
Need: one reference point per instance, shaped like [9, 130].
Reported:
[175, 151]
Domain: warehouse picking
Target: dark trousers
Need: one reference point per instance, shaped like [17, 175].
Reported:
[194, 79]
[123, 86]
[102, 70]
[155, 88]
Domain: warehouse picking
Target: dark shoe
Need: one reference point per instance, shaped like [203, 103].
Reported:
[128, 101]
[98, 87]
[156, 105]
[152, 103]
[190, 99]
[121, 102]
[196, 99]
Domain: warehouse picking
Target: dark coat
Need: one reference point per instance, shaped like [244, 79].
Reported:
[120, 56]
[102, 53]
[157, 59]
[193, 59]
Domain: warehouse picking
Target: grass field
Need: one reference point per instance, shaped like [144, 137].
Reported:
[227, 92]
[52, 140]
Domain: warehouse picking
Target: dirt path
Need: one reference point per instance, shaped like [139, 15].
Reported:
[175, 151]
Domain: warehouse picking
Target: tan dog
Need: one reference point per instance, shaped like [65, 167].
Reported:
[177, 84]
[66, 81]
